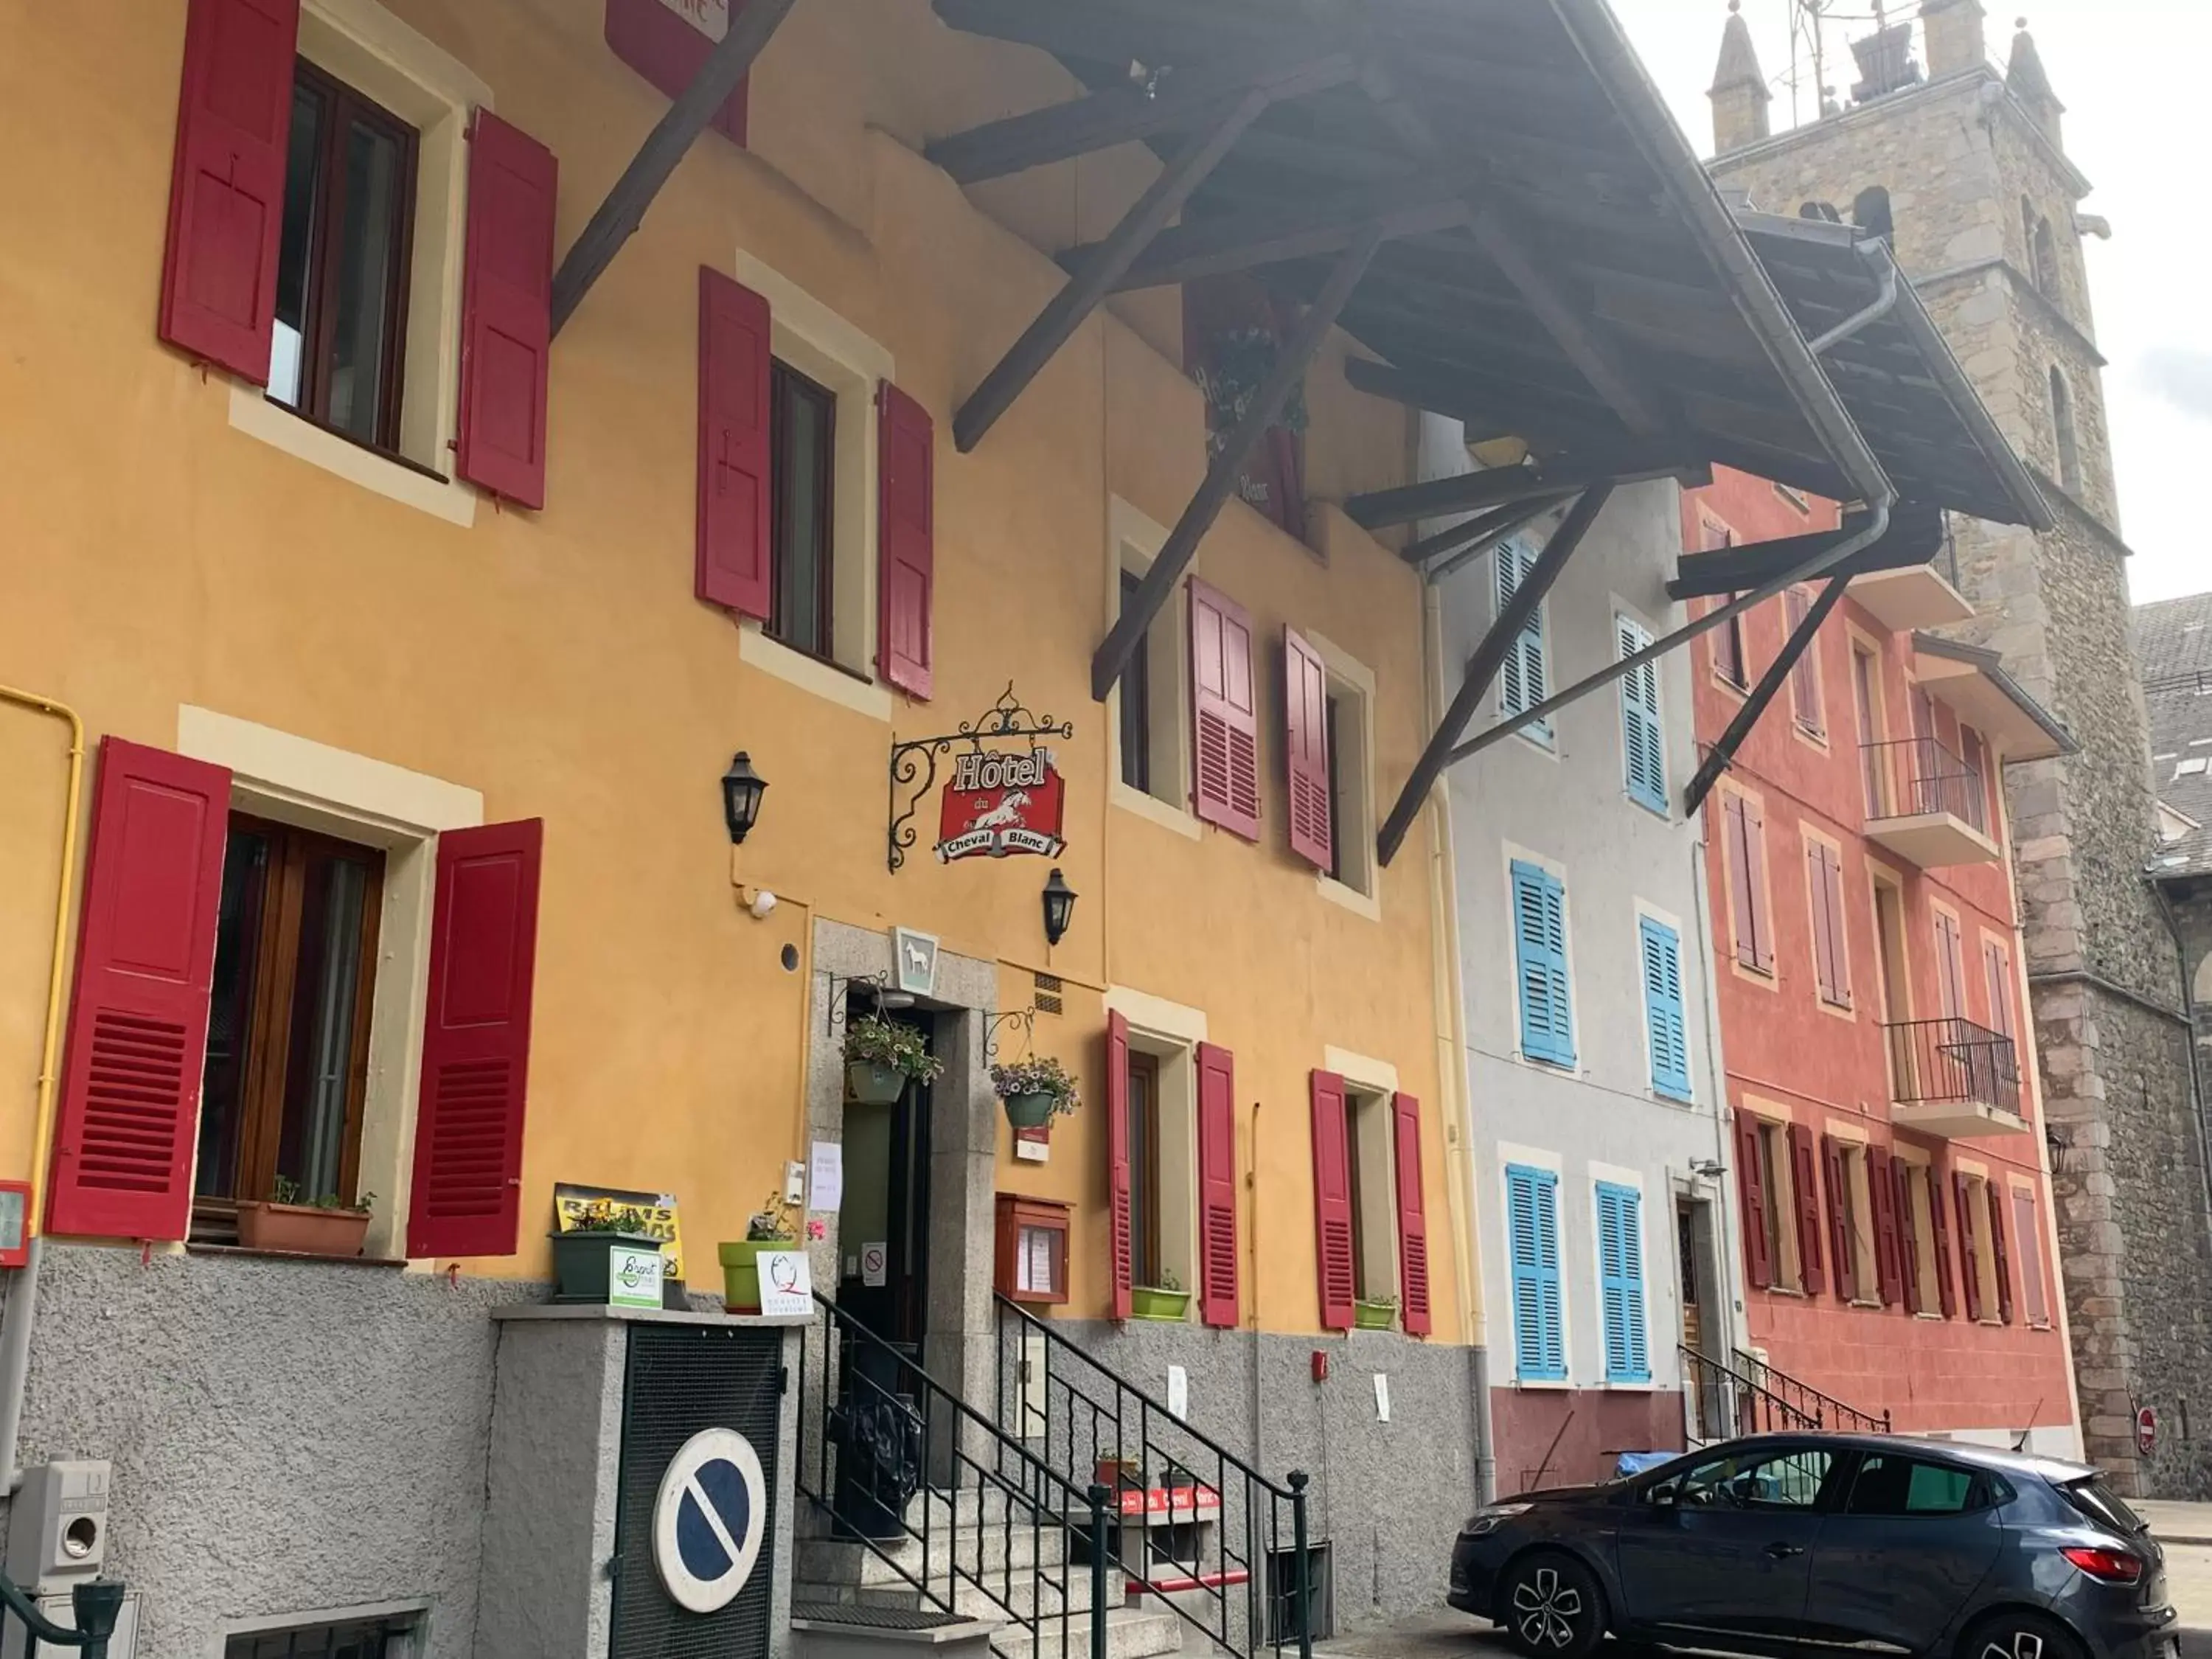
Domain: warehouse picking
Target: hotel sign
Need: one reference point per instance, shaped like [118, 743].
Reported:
[995, 805]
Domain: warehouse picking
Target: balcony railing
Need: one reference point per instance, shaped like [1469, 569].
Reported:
[1919, 777]
[1954, 1075]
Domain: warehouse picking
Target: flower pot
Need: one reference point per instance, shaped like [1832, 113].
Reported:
[1146, 1303]
[1374, 1315]
[1119, 1473]
[581, 1264]
[1029, 1111]
[301, 1229]
[741, 1270]
[872, 1083]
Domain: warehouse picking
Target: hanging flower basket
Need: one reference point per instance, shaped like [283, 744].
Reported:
[871, 1083]
[1036, 1091]
[881, 1058]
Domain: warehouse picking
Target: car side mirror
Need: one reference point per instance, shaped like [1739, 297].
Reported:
[1664, 1495]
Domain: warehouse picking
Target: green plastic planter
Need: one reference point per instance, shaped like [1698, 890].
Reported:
[1146, 1303]
[872, 1083]
[1030, 1111]
[741, 1270]
[580, 1262]
[1375, 1315]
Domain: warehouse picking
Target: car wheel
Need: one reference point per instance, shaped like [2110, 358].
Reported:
[2020, 1634]
[1550, 1606]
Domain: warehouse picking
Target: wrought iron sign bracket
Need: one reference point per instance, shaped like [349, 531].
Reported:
[914, 763]
[1025, 1019]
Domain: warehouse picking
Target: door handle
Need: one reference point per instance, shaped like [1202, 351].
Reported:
[1783, 1552]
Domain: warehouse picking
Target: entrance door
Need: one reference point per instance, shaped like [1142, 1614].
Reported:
[1706, 1411]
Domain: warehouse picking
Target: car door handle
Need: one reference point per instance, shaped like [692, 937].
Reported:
[1783, 1552]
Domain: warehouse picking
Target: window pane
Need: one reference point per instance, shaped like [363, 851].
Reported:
[801, 437]
[1888, 1484]
[325, 1005]
[230, 1015]
[1788, 1482]
[1136, 706]
[367, 278]
[1144, 1171]
[1337, 827]
[303, 178]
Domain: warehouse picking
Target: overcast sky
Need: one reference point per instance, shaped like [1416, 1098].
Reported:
[2133, 74]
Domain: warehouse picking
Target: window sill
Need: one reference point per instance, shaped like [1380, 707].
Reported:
[1152, 807]
[1349, 897]
[1790, 1291]
[363, 444]
[193, 1248]
[832, 682]
[1544, 1384]
[1668, 1097]
[1630, 1385]
[1659, 811]
[393, 476]
[1861, 1302]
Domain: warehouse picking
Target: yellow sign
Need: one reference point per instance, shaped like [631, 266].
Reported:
[573, 1205]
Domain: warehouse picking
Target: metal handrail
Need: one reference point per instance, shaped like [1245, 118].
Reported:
[1096, 1413]
[1916, 777]
[921, 1413]
[1824, 1407]
[95, 1606]
[1953, 1060]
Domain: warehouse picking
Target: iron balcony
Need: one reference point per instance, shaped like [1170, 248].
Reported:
[1925, 803]
[1953, 1079]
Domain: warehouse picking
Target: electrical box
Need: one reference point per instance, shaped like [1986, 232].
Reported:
[58, 1539]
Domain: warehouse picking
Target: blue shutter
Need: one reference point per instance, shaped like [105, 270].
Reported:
[1641, 736]
[1620, 1272]
[1539, 937]
[1539, 1339]
[1525, 680]
[1662, 1010]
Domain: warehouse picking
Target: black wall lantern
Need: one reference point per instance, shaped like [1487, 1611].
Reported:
[742, 788]
[1058, 907]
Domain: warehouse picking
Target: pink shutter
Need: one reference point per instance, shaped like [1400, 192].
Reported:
[1824, 920]
[1332, 1157]
[506, 311]
[1413, 1215]
[1908, 1234]
[1121, 1251]
[1226, 717]
[1939, 1221]
[732, 566]
[2028, 1231]
[1735, 849]
[1305, 744]
[1805, 1175]
[476, 1041]
[1843, 1250]
[660, 45]
[1839, 965]
[226, 182]
[1970, 1277]
[906, 537]
[1755, 855]
[128, 1116]
[1888, 1254]
[1216, 1185]
[1758, 1265]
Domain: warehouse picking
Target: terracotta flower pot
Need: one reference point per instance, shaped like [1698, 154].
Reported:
[301, 1229]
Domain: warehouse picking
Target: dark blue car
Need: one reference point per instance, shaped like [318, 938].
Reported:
[1799, 1544]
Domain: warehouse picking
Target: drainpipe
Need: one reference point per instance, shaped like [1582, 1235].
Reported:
[1717, 1088]
[1884, 270]
[23, 1285]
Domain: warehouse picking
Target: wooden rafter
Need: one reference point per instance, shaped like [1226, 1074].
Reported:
[1721, 755]
[1501, 486]
[1476, 534]
[1916, 536]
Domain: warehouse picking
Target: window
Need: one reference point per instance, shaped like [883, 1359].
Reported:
[1620, 1282]
[1824, 881]
[1532, 1214]
[1805, 673]
[2042, 249]
[287, 1031]
[1773, 1175]
[2064, 434]
[1778, 1177]
[1326, 742]
[1981, 1249]
[802, 450]
[1728, 661]
[1950, 969]
[1524, 681]
[1156, 1097]
[1540, 942]
[1333, 724]
[1743, 852]
[1667, 1026]
[391, 1637]
[1643, 737]
[342, 272]
[1866, 681]
[1889, 1484]
[1144, 1168]
[1136, 705]
[1788, 1480]
[1851, 1245]
[1871, 211]
[1997, 967]
[1153, 728]
[1919, 1237]
[2028, 1234]
[1367, 1132]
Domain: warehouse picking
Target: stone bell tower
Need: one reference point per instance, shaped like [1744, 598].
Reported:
[1968, 172]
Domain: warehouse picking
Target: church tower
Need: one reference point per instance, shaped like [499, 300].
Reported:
[1966, 171]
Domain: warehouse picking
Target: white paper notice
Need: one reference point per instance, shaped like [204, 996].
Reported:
[1178, 1391]
[1381, 1398]
[827, 1169]
[1033, 1270]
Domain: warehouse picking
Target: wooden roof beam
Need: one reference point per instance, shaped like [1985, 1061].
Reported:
[1722, 753]
[1243, 240]
[1915, 536]
[1503, 486]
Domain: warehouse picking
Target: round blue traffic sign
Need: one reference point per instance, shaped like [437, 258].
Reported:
[709, 1520]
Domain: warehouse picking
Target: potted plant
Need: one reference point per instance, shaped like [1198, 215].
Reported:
[882, 1057]
[1166, 1300]
[771, 1228]
[1035, 1091]
[580, 1256]
[1118, 1474]
[324, 1227]
[1375, 1314]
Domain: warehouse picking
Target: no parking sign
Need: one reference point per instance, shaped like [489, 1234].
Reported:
[709, 1519]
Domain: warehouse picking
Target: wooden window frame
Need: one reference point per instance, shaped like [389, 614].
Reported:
[1136, 711]
[1785, 1260]
[267, 1038]
[342, 106]
[787, 383]
[1808, 694]
[1145, 1262]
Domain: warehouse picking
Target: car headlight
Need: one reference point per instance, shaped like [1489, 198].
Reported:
[1490, 1520]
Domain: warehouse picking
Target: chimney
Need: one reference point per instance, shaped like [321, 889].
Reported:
[1886, 63]
[2028, 82]
[1955, 37]
[1739, 92]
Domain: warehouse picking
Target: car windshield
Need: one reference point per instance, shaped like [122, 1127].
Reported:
[2103, 1505]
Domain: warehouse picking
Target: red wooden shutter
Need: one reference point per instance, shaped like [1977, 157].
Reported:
[1939, 1213]
[1735, 849]
[657, 42]
[1756, 1198]
[905, 544]
[1805, 1176]
[1999, 1255]
[1121, 1252]
[226, 182]
[1755, 860]
[1226, 714]
[1889, 1260]
[1305, 744]
[735, 487]
[1413, 1216]
[1908, 1234]
[506, 311]
[1970, 1277]
[1824, 920]
[1216, 1185]
[1843, 1250]
[138, 1023]
[476, 1041]
[1332, 1154]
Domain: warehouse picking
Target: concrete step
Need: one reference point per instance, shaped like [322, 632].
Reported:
[986, 1549]
[1000, 1596]
[968, 1503]
[1130, 1633]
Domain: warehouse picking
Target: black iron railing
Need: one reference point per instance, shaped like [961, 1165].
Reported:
[1743, 1395]
[1216, 1532]
[960, 1512]
[95, 1606]
[1934, 1062]
[1916, 777]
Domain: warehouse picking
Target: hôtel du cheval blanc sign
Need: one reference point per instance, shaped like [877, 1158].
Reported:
[998, 804]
